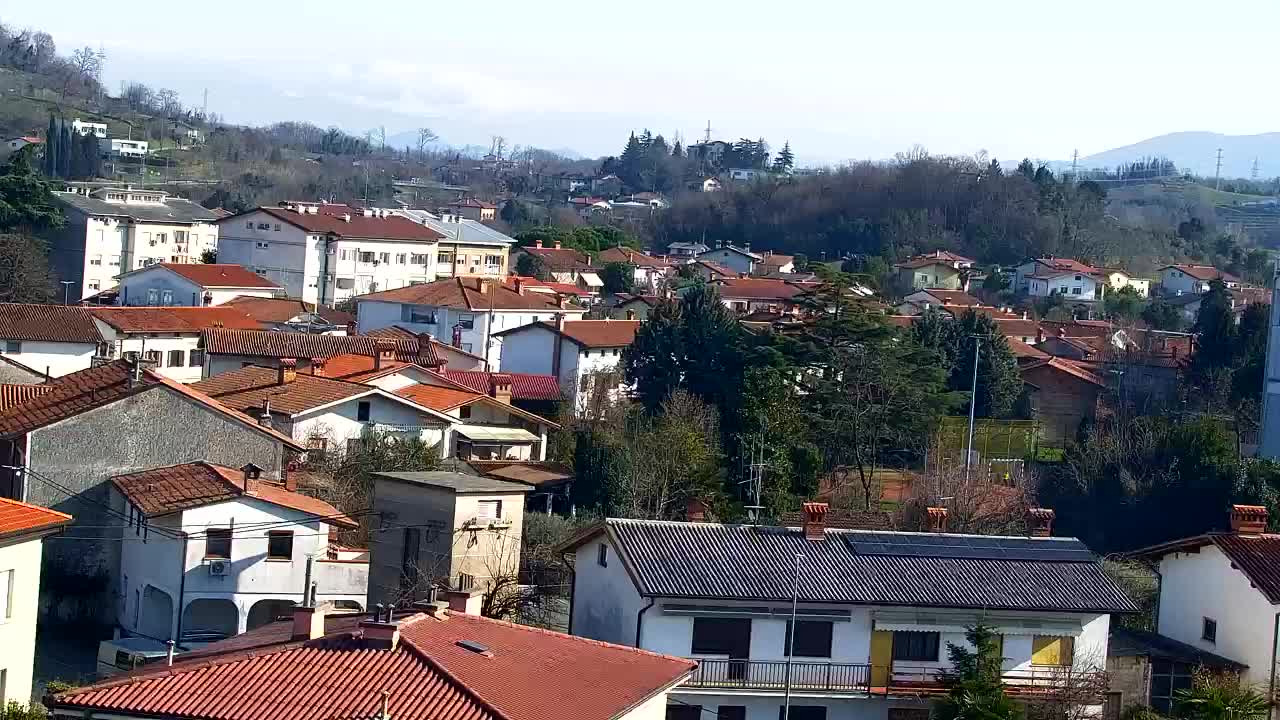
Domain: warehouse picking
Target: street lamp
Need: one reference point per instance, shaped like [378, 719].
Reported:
[791, 640]
[973, 406]
[66, 291]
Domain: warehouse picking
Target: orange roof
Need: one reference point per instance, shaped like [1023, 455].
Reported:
[952, 297]
[473, 203]
[635, 257]
[19, 518]
[759, 288]
[259, 343]
[282, 310]
[439, 398]
[51, 323]
[1023, 350]
[217, 275]
[465, 293]
[1204, 272]
[358, 368]
[161, 491]
[174, 319]
[1067, 367]
[589, 333]
[247, 388]
[328, 220]
[11, 394]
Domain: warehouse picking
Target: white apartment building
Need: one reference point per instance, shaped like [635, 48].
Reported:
[167, 338]
[21, 546]
[326, 253]
[111, 231]
[875, 615]
[580, 354]
[469, 247]
[221, 550]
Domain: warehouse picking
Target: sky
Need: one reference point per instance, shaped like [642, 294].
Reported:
[840, 80]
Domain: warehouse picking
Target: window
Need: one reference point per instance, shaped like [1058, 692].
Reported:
[444, 258]
[153, 296]
[684, 712]
[346, 283]
[162, 238]
[217, 543]
[602, 555]
[812, 639]
[384, 257]
[418, 314]
[176, 358]
[418, 259]
[180, 236]
[276, 228]
[1076, 291]
[915, 646]
[1052, 650]
[1079, 278]
[6, 594]
[166, 297]
[1209, 630]
[195, 358]
[731, 712]
[262, 245]
[1167, 678]
[13, 347]
[344, 254]
[95, 285]
[264, 226]
[492, 259]
[400, 258]
[464, 412]
[489, 509]
[367, 257]
[466, 347]
[804, 712]
[411, 546]
[721, 636]
[467, 321]
[155, 357]
[362, 411]
[248, 225]
[114, 260]
[280, 545]
[95, 260]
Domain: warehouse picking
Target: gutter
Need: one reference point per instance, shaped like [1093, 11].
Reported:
[640, 619]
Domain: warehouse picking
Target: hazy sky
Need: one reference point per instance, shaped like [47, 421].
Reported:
[841, 80]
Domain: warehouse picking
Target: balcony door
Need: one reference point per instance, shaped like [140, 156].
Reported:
[724, 636]
[881, 658]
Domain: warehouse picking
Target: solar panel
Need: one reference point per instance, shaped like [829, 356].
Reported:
[968, 547]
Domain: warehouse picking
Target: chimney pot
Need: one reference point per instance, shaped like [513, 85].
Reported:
[557, 246]
[1248, 519]
[466, 602]
[384, 353]
[380, 633]
[815, 521]
[631, 314]
[1040, 522]
[937, 519]
[351, 328]
[696, 511]
[537, 243]
[308, 623]
[317, 365]
[560, 319]
[287, 372]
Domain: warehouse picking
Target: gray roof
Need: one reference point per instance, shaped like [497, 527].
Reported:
[173, 210]
[472, 231]
[458, 482]
[1142, 643]
[742, 562]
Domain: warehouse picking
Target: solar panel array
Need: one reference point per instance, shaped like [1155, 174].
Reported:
[968, 547]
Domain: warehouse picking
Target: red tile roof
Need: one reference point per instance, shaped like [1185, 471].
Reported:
[19, 518]
[466, 293]
[1257, 556]
[589, 333]
[47, 323]
[358, 368]
[925, 261]
[217, 275]
[174, 319]
[258, 343]
[329, 220]
[1022, 350]
[639, 259]
[161, 491]
[560, 259]
[716, 268]
[395, 332]
[11, 394]
[95, 387]
[1065, 265]
[758, 289]
[1066, 366]
[957, 298]
[524, 386]
[249, 387]
[1204, 272]
[439, 398]
[282, 310]
[526, 674]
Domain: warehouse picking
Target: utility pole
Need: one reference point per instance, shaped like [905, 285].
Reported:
[973, 406]
[706, 138]
[1254, 173]
[1075, 158]
[1217, 173]
[791, 641]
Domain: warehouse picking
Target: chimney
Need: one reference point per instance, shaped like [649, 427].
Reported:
[308, 623]
[937, 519]
[289, 479]
[426, 358]
[384, 353]
[249, 472]
[560, 320]
[562, 301]
[1248, 519]
[346, 217]
[631, 314]
[557, 246]
[1040, 522]
[351, 328]
[537, 243]
[695, 511]
[287, 372]
[466, 602]
[484, 286]
[1039, 334]
[815, 520]
[500, 388]
[264, 418]
[519, 285]
[381, 633]
[1062, 332]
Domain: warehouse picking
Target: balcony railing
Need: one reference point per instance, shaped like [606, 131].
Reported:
[1049, 683]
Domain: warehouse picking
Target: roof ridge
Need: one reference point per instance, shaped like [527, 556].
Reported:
[576, 638]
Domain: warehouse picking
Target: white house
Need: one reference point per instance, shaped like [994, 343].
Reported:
[1070, 283]
[51, 339]
[650, 272]
[1192, 279]
[580, 354]
[326, 253]
[325, 414]
[226, 349]
[114, 230]
[123, 148]
[167, 338]
[1117, 278]
[1046, 267]
[1219, 592]
[739, 260]
[192, 285]
[14, 144]
[21, 544]
[489, 426]
[211, 549]
[463, 312]
[875, 615]
[85, 128]
[686, 250]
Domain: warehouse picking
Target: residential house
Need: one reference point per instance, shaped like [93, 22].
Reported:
[650, 272]
[326, 253]
[166, 338]
[292, 314]
[1187, 279]
[589, 207]
[446, 356]
[123, 149]
[608, 186]
[1063, 396]
[686, 250]
[488, 426]
[773, 263]
[1239, 298]
[1219, 593]
[874, 617]
[23, 528]
[443, 664]
[324, 414]
[469, 247]
[708, 270]
[563, 264]
[535, 392]
[1074, 284]
[748, 295]
[114, 230]
[583, 355]
[473, 209]
[191, 285]
[709, 153]
[707, 184]
[941, 270]
[1047, 267]
[740, 260]
[212, 549]
[919, 301]
[744, 174]
[1148, 669]
[634, 307]
[464, 312]
[61, 447]
[85, 128]
[51, 339]
[227, 349]
[15, 144]
[1118, 279]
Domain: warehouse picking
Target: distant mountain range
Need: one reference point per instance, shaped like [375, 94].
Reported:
[409, 139]
[1197, 152]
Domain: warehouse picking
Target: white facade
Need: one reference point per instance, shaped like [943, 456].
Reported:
[120, 147]
[98, 130]
[1175, 281]
[534, 351]
[340, 423]
[1074, 286]
[174, 355]
[52, 358]
[156, 285]
[732, 258]
[19, 609]
[223, 598]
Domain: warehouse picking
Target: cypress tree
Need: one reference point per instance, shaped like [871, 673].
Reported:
[64, 151]
[51, 139]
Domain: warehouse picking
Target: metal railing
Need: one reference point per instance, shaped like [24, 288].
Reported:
[772, 675]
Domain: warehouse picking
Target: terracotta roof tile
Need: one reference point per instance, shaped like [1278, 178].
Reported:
[600, 333]
[329, 221]
[759, 289]
[637, 258]
[473, 203]
[247, 388]
[174, 319]
[1067, 367]
[957, 298]
[1023, 350]
[524, 386]
[359, 368]
[257, 343]
[47, 323]
[717, 268]
[18, 518]
[218, 275]
[282, 310]
[11, 395]
[465, 293]
[560, 259]
[1204, 272]
[439, 398]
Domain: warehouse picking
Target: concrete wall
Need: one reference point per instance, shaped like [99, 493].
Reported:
[374, 315]
[20, 564]
[1175, 282]
[735, 261]
[1129, 676]
[55, 358]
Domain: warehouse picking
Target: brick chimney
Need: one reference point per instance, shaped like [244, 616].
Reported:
[519, 285]
[317, 365]
[380, 632]
[1248, 519]
[351, 328]
[631, 314]
[695, 511]
[500, 387]
[467, 602]
[537, 243]
[287, 372]
[560, 321]
[384, 353]
[426, 357]
[557, 245]
[1040, 522]
[484, 286]
[937, 519]
[1039, 334]
[815, 521]
[289, 479]
[308, 623]
[249, 472]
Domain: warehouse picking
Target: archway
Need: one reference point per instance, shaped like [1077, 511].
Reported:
[264, 612]
[156, 617]
[206, 615]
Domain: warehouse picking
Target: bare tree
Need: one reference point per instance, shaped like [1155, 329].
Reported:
[168, 103]
[425, 137]
[975, 504]
[497, 146]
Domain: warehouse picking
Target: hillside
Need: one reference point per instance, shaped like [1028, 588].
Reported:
[1197, 152]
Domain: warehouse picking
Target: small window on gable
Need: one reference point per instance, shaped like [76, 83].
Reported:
[280, 545]
[602, 555]
[363, 411]
[1209, 630]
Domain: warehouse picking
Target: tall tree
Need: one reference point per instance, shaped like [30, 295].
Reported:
[999, 382]
[975, 690]
[65, 150]
[619, 277]
[1216, 352]
[785, 160]
[52, 138]
[27, 203]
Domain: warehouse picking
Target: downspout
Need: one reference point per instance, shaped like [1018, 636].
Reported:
[1275, 644]
[324, 274]
[640, 619]
[573, 586]
[182, 585]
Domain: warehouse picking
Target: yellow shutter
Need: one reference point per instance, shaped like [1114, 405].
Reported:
[1048, 650]
[881, 657]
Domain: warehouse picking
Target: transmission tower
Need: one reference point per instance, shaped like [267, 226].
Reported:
[1217, 173]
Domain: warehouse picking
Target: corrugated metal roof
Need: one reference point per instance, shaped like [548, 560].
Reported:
[707, 560]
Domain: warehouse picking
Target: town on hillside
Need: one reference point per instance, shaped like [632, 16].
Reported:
[299, 423]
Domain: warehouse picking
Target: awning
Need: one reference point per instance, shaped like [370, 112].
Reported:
[591, 279]
[496, 433]
[958, 623]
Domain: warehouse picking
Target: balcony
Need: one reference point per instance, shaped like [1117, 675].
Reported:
[1044, 684]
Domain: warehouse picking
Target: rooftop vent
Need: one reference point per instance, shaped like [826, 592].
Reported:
[475, 647]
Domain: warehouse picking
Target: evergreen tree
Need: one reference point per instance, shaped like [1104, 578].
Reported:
[974, 688]
[51, 139]
[999, 382]
[65, 151]
[785, 160]
[1216, 349]
[630, 163]
[27, 204]
[677, 150]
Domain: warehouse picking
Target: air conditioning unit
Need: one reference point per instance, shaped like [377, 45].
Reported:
[218, 568]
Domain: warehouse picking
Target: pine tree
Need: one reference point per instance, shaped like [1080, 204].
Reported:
[785, 160]
[677, 150]
[51, 140]
[631, 162]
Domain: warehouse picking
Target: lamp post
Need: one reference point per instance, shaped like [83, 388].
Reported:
[66, 291]
[791, 639]
[973, 406]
